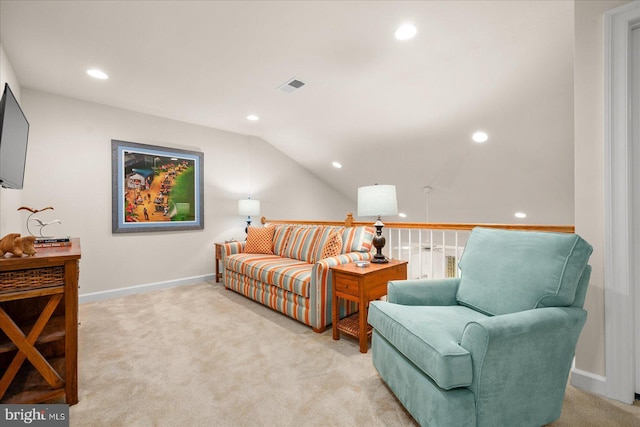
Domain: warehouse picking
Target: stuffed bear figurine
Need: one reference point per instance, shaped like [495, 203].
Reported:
[8, 244]
[16, 245]
[27, 245]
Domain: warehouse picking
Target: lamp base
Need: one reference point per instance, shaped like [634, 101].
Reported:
[377, 260]
[378, 243]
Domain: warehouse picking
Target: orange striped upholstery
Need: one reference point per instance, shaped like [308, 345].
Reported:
[357, 239]
[294, 306]
[232, 248]
[321, 286]
[332, 247]
[281, 238]
[302, 243]
[325, 232]
[289, 274]
[299, 285]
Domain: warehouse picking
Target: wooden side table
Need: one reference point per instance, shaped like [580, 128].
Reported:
[362, 285]
[39, 326]
[218, 260]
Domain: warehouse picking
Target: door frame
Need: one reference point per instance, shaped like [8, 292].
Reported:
[619, 302]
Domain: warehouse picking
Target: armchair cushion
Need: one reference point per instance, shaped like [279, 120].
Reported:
[429, 337]
[506, 271]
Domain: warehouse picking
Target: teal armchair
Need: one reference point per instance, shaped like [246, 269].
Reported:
[493, 347]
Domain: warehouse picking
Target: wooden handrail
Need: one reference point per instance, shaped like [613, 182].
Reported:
[349, 222]
[264, 220]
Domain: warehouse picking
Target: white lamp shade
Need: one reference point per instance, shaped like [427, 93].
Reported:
[248, 207]
[377, 200]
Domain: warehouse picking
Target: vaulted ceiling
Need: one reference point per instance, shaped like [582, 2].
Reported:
[391, 112]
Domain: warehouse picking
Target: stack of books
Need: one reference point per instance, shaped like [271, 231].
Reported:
[50, 242]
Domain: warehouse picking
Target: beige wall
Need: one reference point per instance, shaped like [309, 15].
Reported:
[589, 177]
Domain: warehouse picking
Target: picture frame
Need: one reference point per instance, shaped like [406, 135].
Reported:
[156, 188]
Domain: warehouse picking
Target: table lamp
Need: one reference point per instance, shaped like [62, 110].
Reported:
[378, 200]
[248, 207]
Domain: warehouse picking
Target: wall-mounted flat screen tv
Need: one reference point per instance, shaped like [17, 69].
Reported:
[14, 133]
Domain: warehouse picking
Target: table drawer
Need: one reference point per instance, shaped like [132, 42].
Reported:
[346, 284]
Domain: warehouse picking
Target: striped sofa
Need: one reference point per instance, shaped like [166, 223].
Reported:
[294, 280]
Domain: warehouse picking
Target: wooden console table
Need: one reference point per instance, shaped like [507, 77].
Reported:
[39, 324]
[361, 284]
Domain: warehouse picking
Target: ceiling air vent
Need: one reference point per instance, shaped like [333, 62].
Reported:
[292, 85]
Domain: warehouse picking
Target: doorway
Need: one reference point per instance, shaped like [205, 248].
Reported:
[622, 202]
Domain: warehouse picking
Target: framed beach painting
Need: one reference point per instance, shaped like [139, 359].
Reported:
[155, 188]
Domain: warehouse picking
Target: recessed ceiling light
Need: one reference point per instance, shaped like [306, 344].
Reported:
[336, 165]
[402, 215]
[480, 136]
[253, 117]
[521, 215]
[406, 32]
[97, 74]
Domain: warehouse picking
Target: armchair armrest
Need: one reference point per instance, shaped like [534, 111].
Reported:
[232, 248]
[533, 347]
[423, 292]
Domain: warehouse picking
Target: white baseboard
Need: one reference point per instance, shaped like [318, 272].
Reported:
[120, 292]
[589, 382]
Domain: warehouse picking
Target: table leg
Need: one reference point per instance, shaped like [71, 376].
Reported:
[364, 310]
[334, 315]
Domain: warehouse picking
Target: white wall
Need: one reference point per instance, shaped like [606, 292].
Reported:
[69, 168]
[7, 75]
[9, 198]
[589, 175]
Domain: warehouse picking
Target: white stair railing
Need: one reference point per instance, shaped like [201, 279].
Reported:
[431, 253]
[433, 250]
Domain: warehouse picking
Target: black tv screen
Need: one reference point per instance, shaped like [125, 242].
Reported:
[14, 133]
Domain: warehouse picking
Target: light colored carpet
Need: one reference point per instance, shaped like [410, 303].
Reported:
[203, 356]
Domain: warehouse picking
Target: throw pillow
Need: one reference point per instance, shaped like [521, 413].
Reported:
[358, 239]
[333, 245]
[259, 240]
[280, 239]
[302, 243]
